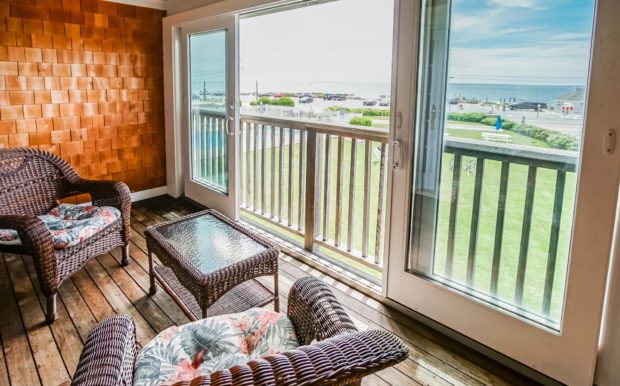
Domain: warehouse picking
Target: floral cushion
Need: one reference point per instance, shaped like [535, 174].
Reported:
[212, 344]
[70, 224]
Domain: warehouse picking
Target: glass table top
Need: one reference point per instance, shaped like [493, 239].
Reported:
[209, 243]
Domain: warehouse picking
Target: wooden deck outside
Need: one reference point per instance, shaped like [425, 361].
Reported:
[34, 353]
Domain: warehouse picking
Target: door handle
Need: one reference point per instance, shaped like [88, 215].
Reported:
[397, 155]
[227, 126]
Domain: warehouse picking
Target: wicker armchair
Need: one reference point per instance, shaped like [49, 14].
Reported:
[341, 355]
[31, 183]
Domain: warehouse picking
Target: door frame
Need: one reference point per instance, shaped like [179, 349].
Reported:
[583, 309]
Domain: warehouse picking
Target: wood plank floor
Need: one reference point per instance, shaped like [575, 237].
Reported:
[34, 353]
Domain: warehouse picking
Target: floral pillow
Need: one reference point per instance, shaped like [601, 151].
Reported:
[212, 344]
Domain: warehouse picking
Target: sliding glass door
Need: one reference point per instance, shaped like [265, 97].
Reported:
[212, 122]
[501, 218]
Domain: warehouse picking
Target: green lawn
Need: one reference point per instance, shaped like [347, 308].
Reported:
[515, 138]
[540, 230]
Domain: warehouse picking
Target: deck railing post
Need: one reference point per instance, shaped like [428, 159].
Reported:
[311, 168]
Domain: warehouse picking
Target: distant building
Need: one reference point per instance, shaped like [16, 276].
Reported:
[571, 103]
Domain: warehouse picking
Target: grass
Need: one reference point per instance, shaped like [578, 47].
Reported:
[464, 123]
[540, 230]
[515, 138]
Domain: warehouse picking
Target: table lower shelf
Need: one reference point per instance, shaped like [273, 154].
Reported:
[246, 295]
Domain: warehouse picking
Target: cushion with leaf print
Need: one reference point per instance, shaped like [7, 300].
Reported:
[69, 224]
[212, 344]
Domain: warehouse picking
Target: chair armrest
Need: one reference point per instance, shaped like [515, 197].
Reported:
[342, 360]
[315, 311]
[105, 192]
[109, 354]
[108, 193]
[37, 240]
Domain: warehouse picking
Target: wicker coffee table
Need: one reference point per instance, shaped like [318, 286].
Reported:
[209, 264]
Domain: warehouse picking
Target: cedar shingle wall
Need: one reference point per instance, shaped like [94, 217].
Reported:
[83, 79]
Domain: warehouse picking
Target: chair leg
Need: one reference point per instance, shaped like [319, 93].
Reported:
[50, 315]
[126, 258]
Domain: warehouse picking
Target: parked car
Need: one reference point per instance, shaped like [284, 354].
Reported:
[306, 99]
[335, 97]
[384, 102]
[369, 103]
[536, 106]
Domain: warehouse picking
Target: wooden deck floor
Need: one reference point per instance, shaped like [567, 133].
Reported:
[34, 353]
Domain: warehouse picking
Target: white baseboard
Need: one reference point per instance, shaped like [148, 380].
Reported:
[149, 193]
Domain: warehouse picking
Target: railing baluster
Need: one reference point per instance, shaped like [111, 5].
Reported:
[194, 138]
[352, 195]
[202, 142]
[558, 201]
[302, 191]
[263, 158]
[204, 154]
[248, 170]
[339, 191]
[212, 148]
[475, 217]
[225, 155]
[454, 199]
[499, 226]
[366, 208]
[273, 172]
[379, 227]
[255, 182]
[525, 232]
[219, 150]
[280, 173]
[326, 195]
[290, 176]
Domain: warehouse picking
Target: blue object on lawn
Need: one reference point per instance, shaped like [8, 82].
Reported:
[498, 123]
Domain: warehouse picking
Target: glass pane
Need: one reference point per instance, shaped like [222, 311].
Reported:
[501, 100]
[208, 80]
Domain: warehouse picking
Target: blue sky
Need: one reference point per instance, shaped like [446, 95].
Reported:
[521, 41]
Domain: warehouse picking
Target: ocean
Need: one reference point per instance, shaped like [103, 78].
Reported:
[370, 90]
[498, 92]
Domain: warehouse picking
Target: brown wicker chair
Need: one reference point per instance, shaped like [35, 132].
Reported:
[31, 183]
[341, 355]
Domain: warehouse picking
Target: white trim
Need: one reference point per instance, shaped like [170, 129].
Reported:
[149, 193]
[157, 4]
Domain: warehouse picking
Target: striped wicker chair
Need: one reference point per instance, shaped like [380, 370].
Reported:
[333, 352]
[31, 183]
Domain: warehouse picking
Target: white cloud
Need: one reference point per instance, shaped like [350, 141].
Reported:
[530, 4]
[565, 64]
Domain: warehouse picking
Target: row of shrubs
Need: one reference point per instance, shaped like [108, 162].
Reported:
[552, 138]
[284, 101]
[365, 111]
[361, 121]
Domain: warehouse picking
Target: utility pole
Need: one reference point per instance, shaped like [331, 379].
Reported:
[256, 90]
